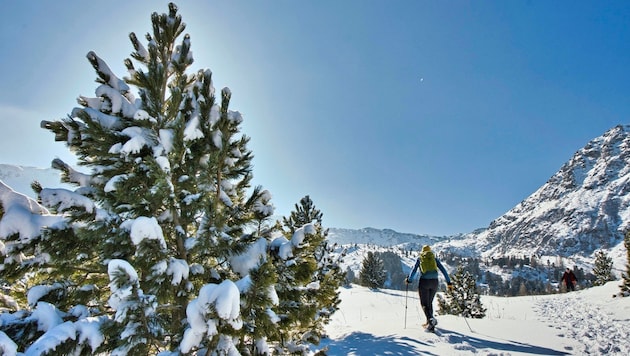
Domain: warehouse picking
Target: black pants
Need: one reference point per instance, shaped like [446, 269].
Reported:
[427, 289]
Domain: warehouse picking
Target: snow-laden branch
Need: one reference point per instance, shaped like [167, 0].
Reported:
[23, 216]
[215, 304]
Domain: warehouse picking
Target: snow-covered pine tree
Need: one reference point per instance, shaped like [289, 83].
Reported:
[463, 299]
[602, 268]
[309, 279]
[625, 285]
[153, 252]
[372, 274]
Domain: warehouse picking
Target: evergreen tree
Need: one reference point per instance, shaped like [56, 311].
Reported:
[392, 264]
[350, 277]
[372, 274]
[150, 249]
[625, 286]
[522, 289]
[602, 268]
[309, 279]
[463, 299]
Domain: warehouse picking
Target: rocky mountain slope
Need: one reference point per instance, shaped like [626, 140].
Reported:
[584, 207]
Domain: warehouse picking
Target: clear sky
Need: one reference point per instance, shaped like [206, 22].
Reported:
[428, 117]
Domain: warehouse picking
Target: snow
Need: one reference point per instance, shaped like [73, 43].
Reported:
[142, 115]
[145, 228]
[89, 331]
[47, 316]
[115, 266]
[225, 198]
[300, 234]
[283, 247]
[51, 339]
[120, 293]
[589, 321]
[192, 131]
[179, 270]
[23, 215]
[102, 67]
[224, 300]
[36, 293]
[217, 139]
[19, 178]
[107, 121]
[255, 254]
[137, 140]
[166, 139]
[110, 186]
[263, 205]
[119, 104]
[7, 346]
[164, 164]
[215, 114]
[65, 199]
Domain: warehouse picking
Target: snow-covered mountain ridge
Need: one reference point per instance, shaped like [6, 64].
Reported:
[378, 237]
[584, 207]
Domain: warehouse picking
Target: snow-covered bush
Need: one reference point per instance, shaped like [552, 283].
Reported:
[463, 298]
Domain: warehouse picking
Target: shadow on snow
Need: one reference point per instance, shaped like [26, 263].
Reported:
[474, 343]
[359, 343]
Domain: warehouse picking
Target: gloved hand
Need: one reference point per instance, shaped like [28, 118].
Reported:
[407, 280]
[449, 286]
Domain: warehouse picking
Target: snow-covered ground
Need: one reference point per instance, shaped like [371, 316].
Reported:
[585, 322]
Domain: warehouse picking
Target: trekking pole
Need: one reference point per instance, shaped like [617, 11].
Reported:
[469, 328]
[406, 293]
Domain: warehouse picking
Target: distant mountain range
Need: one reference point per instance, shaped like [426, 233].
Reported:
[584, 207]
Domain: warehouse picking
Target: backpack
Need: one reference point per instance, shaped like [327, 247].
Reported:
[427, 262]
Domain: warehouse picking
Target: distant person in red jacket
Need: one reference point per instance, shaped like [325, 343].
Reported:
[568, 278]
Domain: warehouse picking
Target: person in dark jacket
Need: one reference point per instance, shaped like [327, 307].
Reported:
[568, 278]
[428, 265]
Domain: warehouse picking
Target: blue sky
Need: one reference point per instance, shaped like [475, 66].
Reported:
[428, 117]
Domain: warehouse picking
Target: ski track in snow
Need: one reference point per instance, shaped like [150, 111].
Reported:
[575, 317]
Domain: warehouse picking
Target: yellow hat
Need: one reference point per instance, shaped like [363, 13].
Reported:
[426, 248]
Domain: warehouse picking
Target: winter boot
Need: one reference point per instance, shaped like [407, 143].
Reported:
[432, 323]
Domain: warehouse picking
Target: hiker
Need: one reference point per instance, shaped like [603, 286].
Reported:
[428, 283]
[568, 278]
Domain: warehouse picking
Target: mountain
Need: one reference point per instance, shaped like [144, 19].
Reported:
[584, 207]
[378, 237]
[19, 178]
